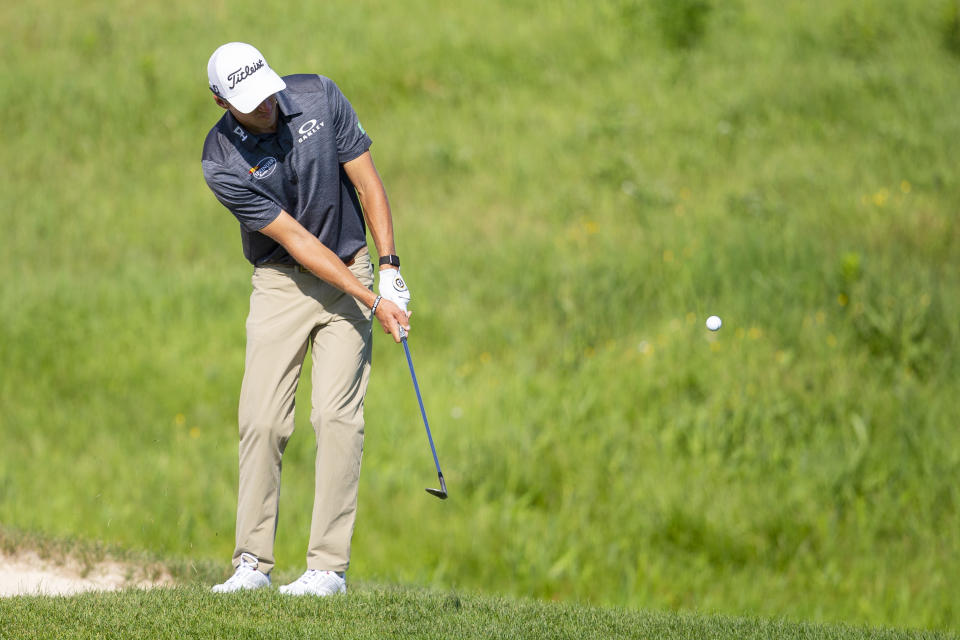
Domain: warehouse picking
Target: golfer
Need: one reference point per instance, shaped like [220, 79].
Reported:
[291, 161]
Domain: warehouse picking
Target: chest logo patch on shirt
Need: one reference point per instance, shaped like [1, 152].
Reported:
[264, 168]
[307, 129]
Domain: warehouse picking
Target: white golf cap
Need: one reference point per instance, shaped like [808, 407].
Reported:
[239, 74]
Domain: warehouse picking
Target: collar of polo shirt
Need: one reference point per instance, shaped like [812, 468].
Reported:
[288, 106]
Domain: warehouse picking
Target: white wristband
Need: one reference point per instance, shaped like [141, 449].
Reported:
[373, 309]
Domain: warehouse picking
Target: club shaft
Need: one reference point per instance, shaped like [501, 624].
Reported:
[423, 412]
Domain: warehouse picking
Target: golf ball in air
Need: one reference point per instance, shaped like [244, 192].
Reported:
[714, 323]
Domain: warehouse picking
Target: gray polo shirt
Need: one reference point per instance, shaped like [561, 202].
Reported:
[297, 170]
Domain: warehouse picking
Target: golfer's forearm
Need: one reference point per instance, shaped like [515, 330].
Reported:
[376, 209]
[325, 264]
[373, 198]
[306, 249]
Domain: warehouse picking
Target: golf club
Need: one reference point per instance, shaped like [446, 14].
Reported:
[442, 491]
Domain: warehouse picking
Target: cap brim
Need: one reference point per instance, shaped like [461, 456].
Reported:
[266, 85]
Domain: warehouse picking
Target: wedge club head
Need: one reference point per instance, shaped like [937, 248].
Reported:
[442, 491]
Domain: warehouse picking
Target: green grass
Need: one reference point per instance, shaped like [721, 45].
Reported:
[380, 612]
[576, 187]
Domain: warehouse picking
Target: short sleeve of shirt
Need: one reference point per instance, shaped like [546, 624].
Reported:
[253, 210]
[352, 140]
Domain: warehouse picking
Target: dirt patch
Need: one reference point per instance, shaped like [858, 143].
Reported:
[27, 573]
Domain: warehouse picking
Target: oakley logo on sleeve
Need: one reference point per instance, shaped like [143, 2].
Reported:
[307, 129]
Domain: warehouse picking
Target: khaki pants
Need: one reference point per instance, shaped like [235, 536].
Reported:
[289, 311]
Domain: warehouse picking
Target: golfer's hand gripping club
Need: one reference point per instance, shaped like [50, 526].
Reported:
[392, 318]
[442, 491]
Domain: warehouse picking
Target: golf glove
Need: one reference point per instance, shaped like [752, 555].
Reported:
[393, 288]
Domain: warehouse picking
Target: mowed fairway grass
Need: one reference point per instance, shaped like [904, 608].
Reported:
[384, 612]
[576, 187]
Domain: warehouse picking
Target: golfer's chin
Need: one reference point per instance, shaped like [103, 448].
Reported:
[268, 121]
[259, 123]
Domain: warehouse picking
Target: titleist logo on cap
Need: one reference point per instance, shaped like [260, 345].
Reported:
[238, 76]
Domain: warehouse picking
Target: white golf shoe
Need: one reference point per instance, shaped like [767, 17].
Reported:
[316, 583]
[245, 577]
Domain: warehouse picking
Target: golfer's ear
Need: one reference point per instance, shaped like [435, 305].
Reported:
[221, 102]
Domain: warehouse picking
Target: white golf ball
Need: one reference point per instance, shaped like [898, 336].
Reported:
[714, 323]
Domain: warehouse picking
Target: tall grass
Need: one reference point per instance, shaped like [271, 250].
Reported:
[576, 187]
